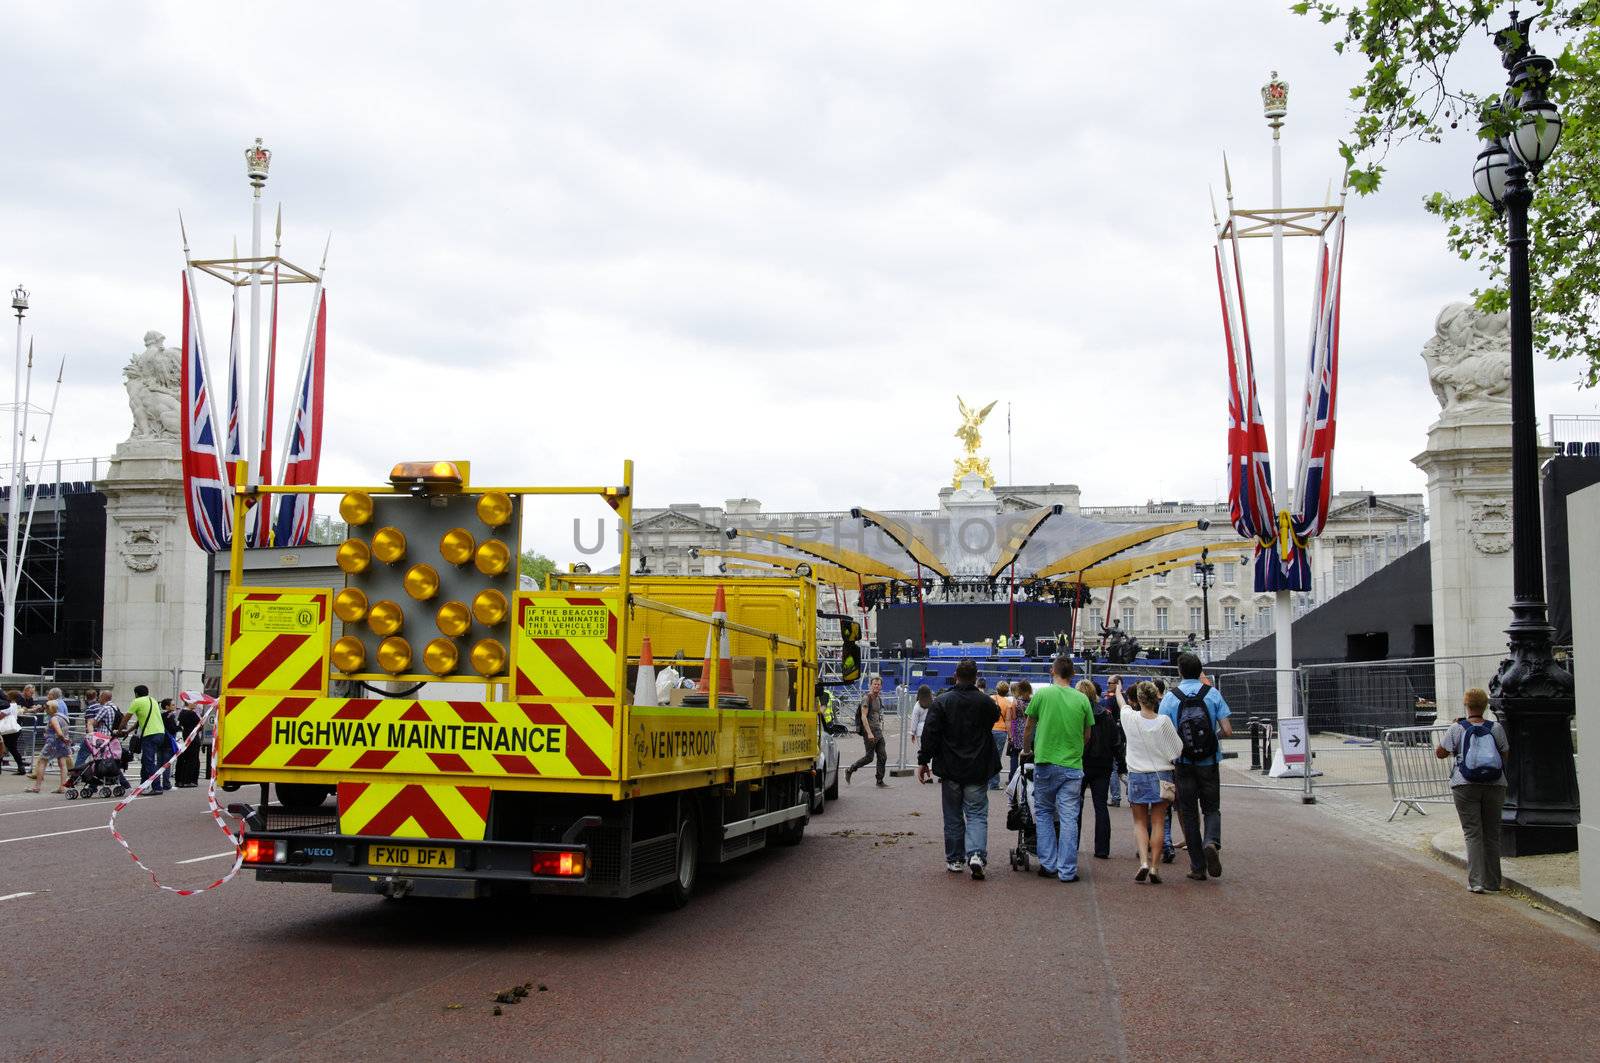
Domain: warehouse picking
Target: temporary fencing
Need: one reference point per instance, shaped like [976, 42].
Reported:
[1415, 773]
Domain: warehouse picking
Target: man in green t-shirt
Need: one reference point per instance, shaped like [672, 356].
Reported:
[147, 724]
[1059, 721]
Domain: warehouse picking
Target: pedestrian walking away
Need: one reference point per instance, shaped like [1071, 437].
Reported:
[57, 743]
[169, 724]
[1119, 768]
[1152, 743]
[1021, 694]
[1478, 784]
[957, 748]
[919, 715]
[1200, 716]
[151, 735]
[11, 727]
[189, 759]
[1002, 726]
[870, 718]
[1059, 721]
[1099, 760]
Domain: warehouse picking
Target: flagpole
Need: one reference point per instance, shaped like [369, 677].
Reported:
[21, 481]
[1283, 603]
[257, 159]
[50, 423]
[19, 304]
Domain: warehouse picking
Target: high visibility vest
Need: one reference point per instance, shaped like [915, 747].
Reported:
[827, 706]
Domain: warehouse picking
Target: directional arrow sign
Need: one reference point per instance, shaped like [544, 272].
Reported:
[1292, 733]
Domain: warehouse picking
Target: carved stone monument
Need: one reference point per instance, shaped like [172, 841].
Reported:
[1468, 465]
[155, 597]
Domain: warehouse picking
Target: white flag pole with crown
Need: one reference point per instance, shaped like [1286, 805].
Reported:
[237, 272]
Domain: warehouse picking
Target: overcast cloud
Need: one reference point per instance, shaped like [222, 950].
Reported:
[756, 248]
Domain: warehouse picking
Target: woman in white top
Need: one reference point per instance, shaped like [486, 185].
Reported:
[919, 715]
[1152, 743]
[10, 727]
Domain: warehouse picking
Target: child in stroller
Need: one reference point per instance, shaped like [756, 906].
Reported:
[101, 773]
[1019, 817]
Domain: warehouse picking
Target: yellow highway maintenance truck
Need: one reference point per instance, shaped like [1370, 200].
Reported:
[432, 729]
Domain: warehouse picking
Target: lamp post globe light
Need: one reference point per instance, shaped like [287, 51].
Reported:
[1532, 693]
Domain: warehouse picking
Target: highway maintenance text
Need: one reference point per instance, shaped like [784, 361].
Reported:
[429, 737]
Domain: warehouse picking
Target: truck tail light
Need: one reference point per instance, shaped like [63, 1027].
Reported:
[265, 851]
[558, 863]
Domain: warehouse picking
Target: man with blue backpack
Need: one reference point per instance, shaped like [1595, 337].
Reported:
[1478, 784]
[1200, 716]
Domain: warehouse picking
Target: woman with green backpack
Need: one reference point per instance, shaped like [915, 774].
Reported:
[1478, 784]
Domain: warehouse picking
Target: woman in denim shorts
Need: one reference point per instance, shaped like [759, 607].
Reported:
[1152, 743]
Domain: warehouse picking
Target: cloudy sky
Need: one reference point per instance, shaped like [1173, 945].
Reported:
[757, 248]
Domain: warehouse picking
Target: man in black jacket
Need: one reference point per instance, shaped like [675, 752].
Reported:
[957, 747]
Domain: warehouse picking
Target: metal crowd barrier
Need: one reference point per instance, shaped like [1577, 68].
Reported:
[1415, 774]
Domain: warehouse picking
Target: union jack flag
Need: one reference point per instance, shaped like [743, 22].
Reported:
[1282, 560]
[1249, 465]
[1314, 484]
[206, 496]
[300, 464]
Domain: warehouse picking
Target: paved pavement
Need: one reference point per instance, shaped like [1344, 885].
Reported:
[857, 944]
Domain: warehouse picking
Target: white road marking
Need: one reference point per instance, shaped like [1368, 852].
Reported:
[14, 896]
[198, 859]
[73, 807]
[53, 834]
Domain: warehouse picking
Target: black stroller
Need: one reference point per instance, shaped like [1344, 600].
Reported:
[1019, 817]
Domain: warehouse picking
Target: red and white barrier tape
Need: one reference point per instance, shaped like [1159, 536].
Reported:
[235, 838]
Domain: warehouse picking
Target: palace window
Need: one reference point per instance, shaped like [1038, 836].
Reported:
[1230, 615]
[1161, 618]
[1229, 572]
[1127, 618]
[1196, 618]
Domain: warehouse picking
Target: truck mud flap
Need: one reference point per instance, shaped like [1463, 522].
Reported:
[398, 886]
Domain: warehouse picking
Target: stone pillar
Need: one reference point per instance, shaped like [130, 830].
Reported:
[155, 597]
[1583, 538]
[1468, 465]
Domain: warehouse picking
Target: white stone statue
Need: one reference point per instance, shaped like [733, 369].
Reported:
[1469, 364]
[152, 380]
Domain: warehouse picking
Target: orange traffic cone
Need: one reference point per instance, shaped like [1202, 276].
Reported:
[644, 688]
[719, 610]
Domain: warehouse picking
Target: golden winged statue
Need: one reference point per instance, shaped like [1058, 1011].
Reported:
[968, 434]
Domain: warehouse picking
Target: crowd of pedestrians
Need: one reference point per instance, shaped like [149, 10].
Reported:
[1073, 743]
[147, 729]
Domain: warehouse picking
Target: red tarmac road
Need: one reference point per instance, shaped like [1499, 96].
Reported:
[1316, 944]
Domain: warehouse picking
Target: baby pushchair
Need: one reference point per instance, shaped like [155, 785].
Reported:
[101, 774]
[1019, 817]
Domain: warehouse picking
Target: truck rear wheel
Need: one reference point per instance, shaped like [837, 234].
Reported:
[301, 797]
[676, 893]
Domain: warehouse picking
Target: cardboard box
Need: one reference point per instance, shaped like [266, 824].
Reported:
[750, 681]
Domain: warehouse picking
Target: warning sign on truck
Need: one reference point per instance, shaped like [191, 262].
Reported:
[558, 620]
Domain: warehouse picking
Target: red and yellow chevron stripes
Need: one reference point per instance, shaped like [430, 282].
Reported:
[410, 810]
[277, 640]
[565, 646]
[489, 739]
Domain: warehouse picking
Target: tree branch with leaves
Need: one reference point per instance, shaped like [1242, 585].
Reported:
[1407, 94]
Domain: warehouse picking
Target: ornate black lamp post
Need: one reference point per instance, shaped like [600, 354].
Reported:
[1532, 693]
[1204, 577]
